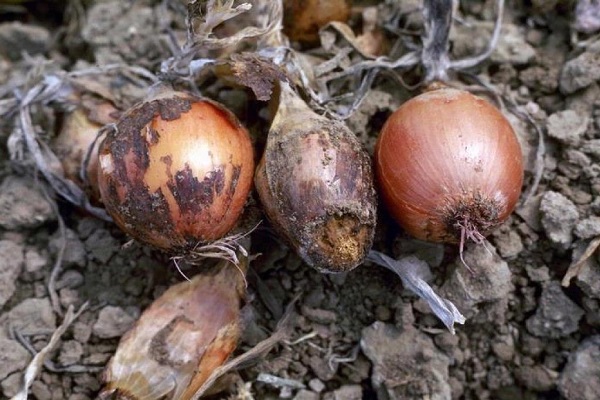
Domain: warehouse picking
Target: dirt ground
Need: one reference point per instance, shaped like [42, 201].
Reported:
[529, 333]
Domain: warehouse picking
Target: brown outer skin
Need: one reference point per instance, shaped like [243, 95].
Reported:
[302, 19]
[180, 339]
[176, 172]
[444, 155]
[316, 187]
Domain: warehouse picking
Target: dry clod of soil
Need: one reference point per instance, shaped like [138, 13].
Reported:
[556, 316]
[588, 228]
[580, 379]
[12, 259]
[490, 281]
[588, 278]
[581, 71]
[406, 363]
[559, 216]
[23, 205]
[112, 322]
[567, 126]
[17, 39]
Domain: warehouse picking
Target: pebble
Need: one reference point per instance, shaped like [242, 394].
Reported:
[491, 282]
[23, 205]
[399, 355]
[581, 71]
[12, 259]
[588, 278]
[568, 126]
[13, 357]
[556, 316]
[112, 322]
[316, 385]
[580, 378]
[559, 216]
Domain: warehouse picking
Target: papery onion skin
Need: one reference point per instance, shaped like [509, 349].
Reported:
[446, 159]
[176, 172]
[179, 340]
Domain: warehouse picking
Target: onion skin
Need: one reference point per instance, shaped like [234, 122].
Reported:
[77, 133]
[316, 186]
[447, 159]
[176, 171]
[179, 340]
[302, 19]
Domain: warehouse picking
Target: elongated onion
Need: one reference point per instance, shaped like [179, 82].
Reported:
[176, 171]
[449, 166]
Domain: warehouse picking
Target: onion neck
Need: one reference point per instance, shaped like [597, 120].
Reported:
[437, 15]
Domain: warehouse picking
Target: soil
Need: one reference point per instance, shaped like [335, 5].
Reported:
[357, 335]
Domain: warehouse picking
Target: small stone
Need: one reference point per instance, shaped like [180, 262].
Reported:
[41, 391]
[559, 216]
[588, 228]
[556, 316]
[23, 205]
[13, 357]
[71, 352]
[568, 126]
[34, 261]
[536, 378]
[580, 378]
[316, 385]
[348, 392]
[12, 259]
[112, 322]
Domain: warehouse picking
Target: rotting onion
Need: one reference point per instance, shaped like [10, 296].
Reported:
[449, 166]
[315, 183]
[176, 171]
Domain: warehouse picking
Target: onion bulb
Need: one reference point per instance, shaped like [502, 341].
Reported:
[176, 171]
[303, 19]
[449, 166]
[315, 183]
[179, 340]
[78, 132]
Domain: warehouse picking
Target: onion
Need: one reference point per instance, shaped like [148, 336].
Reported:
[78, 132]
[303, 19]
[179, 340]
[176, 171]
[315, 183]
[449, 166]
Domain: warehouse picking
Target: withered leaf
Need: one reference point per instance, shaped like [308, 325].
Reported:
[256, 73]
